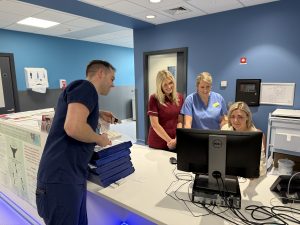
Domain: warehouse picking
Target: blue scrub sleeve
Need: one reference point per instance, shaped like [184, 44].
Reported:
[187, 108]
[83, 94]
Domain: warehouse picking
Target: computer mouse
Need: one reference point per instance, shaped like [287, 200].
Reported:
[173, 160]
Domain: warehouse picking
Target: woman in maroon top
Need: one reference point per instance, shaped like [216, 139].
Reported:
[163, 109]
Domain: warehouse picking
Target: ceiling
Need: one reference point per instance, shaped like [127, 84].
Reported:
[78, 26]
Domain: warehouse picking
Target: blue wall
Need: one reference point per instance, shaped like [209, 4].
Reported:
[268, 35]
[63, 58]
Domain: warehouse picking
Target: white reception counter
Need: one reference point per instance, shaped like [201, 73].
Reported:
[145, 192]
[152, 191]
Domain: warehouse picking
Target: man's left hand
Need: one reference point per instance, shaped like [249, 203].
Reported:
[108, 117]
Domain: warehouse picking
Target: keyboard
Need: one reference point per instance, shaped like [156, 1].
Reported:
[112, 135]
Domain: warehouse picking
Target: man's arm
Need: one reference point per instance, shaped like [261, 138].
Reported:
[108, 117]
[76, 126]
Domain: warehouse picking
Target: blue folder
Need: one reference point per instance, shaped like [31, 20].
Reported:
[111, 150]
[106, 182]
[115, 170]
[110, 158]
[110, 165]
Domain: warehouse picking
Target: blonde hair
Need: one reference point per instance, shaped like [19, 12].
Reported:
[160, 95]
[245, 108]
[205, 76]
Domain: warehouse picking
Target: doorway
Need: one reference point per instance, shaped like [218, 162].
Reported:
[174, 60]
[8, 84]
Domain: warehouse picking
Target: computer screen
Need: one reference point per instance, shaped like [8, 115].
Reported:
[217, 158]
[242, 156]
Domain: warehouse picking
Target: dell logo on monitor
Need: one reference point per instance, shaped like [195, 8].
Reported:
[217, 143]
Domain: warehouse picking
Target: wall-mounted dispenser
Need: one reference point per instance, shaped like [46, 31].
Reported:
[36, 79]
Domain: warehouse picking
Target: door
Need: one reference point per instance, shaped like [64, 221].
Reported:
[8, 88]
[174, 60]
[157, 63]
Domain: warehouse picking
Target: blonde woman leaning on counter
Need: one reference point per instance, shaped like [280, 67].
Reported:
[163, 110]
[204, 109]
[240, 119]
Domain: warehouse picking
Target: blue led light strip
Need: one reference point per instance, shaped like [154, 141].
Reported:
[18, 209]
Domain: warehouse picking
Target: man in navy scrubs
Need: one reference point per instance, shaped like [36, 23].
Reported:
[61, 180]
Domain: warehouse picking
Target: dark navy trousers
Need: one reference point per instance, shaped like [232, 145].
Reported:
[62, 204]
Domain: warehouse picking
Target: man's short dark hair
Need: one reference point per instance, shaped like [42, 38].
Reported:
[95, 65]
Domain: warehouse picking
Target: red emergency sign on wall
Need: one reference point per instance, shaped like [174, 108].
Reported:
[243, 60]
[62, 84]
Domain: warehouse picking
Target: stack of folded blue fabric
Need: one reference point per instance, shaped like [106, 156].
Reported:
[110, 164]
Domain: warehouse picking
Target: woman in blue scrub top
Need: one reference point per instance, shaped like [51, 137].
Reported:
[204, 109]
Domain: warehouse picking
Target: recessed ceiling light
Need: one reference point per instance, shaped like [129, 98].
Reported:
[150, 17]
[155, 1]
[31, 21]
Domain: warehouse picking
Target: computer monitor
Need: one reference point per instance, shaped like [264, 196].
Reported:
[217, 154]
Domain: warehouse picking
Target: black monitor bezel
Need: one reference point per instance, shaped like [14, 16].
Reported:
[243, 163]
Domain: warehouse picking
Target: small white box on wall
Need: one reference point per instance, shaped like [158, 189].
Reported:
[36, 78]
[224, 83]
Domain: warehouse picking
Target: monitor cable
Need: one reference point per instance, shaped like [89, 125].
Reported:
[265, 212]
[188, 178]
[290, 180]
[272, 214]
[269, 212]
[236, 212]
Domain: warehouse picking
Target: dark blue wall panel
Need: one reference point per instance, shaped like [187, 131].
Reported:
[268, 35]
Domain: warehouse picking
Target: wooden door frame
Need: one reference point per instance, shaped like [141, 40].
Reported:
[181, 80]
[13, 79]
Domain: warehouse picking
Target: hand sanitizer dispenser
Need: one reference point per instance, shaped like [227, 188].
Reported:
[36, 79]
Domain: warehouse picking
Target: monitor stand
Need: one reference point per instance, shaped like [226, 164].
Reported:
[216, 188]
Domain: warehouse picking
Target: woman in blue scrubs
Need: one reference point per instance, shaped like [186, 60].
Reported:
[204, 109]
